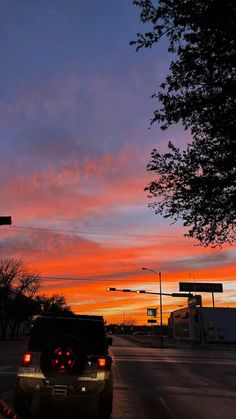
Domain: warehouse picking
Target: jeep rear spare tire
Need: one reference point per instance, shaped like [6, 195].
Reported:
[63, 359]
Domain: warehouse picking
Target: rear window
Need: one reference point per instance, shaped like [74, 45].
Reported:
[90, 332]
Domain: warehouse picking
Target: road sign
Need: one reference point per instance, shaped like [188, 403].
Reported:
[152, 312]
[151, 321]
[200, 287]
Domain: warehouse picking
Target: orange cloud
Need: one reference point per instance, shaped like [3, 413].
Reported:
[90, 267]
[81, 195]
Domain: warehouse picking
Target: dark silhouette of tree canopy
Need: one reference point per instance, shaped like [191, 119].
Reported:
[198, 184]
[16, 276]
[18, 285]
[19, 300]
[53, 305]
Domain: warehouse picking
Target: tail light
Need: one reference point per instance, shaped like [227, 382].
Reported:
[104, 362]
[27, 359]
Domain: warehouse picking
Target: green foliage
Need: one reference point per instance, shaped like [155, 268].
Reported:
[200, 93]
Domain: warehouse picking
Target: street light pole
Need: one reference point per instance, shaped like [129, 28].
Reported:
[161, 322]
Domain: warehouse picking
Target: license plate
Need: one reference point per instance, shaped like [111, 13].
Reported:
[29, 371]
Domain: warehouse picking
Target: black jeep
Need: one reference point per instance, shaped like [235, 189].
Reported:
[66, 370]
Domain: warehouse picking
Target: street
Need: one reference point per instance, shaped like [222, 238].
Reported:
[173, 383]
[11, 352]
[155, 383]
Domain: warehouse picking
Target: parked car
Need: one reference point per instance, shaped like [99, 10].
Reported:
[67, 367]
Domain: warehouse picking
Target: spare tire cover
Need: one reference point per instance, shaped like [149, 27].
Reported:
[63, 359]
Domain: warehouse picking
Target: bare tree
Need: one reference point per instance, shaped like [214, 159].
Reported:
[54, 304]
[16, 280]
[10, 269]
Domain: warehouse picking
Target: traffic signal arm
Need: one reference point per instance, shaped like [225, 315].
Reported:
[173, 294]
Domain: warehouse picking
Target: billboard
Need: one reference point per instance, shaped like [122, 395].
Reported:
[200, 286]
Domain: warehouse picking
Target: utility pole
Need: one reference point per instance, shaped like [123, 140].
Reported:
[161, 322]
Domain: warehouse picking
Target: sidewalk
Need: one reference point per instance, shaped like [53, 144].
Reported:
[173, 343]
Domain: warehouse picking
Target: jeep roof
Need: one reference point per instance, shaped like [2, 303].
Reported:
[90, 329]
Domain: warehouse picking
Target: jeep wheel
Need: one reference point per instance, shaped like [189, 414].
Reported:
[63, 359]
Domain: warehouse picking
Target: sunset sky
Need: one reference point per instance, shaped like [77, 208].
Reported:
[75, 109]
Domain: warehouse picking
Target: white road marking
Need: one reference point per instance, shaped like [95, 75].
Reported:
[167, 407]
[8, 370]
[5, 367]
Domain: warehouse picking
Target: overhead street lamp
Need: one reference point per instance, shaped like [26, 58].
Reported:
[161, 322]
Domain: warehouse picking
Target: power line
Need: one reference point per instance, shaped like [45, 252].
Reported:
[121, 279]
[80, 281]
[89, 233]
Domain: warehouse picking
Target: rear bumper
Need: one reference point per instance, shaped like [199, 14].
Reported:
[79, 388]
[40, 397]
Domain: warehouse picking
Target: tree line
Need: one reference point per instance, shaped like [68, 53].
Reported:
[20, 300]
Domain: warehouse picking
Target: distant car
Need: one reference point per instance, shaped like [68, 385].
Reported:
[67, 368]
[138, 333]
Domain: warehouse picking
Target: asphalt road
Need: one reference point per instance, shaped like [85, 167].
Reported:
[173, 383]
[154, 383]
[11, 352]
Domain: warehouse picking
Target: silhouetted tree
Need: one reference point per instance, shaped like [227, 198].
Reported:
[20, 310]
[198, 184]
[53, 305]
[16, 283]
[15, 276]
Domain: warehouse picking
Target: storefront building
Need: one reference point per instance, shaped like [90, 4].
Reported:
[206, 324]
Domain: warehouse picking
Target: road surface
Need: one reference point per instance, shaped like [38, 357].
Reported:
[152, 383]
[155, 383]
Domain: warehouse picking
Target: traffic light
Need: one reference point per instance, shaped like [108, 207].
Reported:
[5, 220]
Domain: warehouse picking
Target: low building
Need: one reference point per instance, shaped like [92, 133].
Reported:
[205, 324]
